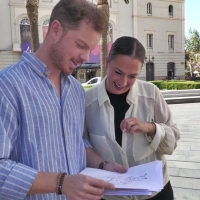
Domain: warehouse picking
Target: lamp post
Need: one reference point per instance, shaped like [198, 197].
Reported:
[149, 60]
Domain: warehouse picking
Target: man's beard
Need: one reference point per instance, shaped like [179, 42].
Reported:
[55, 55]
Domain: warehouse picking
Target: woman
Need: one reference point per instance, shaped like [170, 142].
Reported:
[127, 120]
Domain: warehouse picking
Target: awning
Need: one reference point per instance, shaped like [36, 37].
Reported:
[89, 66]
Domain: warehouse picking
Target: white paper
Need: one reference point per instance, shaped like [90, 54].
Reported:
[139, 180]
[125, 192]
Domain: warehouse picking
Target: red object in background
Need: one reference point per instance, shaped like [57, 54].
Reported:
[168, 77]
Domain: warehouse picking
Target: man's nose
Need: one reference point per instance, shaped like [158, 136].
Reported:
[85, 56]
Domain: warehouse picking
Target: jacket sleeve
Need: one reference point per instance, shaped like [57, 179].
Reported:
[15, 178]
[167, 132]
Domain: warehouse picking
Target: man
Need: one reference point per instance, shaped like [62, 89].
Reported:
[42, 113]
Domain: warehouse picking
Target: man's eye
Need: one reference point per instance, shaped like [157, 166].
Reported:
[118, 72]
[132, 77]
[80, 46]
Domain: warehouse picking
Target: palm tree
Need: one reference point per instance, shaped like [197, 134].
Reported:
[32, 12]
[103, 4]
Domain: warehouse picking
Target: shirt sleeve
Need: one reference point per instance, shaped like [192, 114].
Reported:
[86, 138]
[86, 143]
[15, 178]
[167, 132]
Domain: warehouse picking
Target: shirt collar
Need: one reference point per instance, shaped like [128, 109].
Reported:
[103, 96]
[133, 93]
[35, 64]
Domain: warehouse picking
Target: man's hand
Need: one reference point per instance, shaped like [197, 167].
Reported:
[78, 187]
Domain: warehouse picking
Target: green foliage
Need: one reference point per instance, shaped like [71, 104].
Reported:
[171, 85]
[177, 85]
[192, 50]
[126, 1]
[192, 42]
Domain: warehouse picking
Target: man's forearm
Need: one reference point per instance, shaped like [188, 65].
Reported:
[44, 183]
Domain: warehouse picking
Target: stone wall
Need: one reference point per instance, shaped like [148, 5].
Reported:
[8, 58]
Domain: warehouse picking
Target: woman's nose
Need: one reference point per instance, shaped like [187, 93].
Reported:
[123, 81]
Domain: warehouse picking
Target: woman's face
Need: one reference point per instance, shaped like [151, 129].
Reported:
[122, 72]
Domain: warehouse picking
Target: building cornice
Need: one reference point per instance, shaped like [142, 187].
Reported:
[179, 1]
[154, 17]
[114, 11]
[22, 5]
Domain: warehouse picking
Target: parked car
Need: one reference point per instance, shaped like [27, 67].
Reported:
[92, 81]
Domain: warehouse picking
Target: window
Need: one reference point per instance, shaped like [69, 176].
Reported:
[149, 8]
[171, 10]
[110, 5]
[81, 77]
[45, 28]
[110, 34]
[93, 81]
[171, 42]
[25, 32]
[150, 41]
[94, 1]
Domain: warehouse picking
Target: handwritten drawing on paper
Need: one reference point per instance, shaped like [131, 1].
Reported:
[124, 180]
[147, 177]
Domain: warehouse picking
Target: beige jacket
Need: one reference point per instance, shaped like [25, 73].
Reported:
[146, 103]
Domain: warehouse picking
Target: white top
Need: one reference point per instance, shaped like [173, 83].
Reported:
[146, 103]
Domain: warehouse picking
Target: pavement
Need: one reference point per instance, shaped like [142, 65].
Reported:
[184, 163]
[181, 96]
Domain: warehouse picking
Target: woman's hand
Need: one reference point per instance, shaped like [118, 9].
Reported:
[132, 124]
[115, 167]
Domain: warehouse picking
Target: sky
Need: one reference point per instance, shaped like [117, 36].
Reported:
[192, 15]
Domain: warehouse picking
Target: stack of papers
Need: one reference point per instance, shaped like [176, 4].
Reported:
[139, 180]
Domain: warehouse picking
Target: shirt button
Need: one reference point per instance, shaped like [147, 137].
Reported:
[41, 74]
[47, 73]
[66, 133]
[53, 85]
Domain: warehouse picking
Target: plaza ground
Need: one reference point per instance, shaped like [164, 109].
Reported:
[184, 164]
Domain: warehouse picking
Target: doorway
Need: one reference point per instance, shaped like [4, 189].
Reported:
[149, 71]
[171, 70]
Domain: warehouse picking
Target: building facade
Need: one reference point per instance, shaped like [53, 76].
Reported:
[15, 28]
[157, 24]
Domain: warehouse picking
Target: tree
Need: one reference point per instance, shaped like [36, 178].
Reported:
[103, 4]
[192, 42]
[192, 49]
[32, 12]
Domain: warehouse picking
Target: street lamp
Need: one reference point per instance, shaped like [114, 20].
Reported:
[150, 59]
[149, 72]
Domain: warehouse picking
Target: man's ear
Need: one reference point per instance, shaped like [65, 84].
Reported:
[56, 29]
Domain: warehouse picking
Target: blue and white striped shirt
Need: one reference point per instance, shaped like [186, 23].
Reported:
[39, 130]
